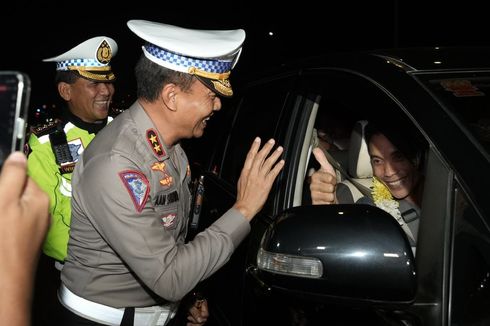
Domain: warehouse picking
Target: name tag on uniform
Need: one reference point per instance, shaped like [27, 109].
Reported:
[166, 199]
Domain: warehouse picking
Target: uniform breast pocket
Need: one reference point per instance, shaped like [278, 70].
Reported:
[168, 209]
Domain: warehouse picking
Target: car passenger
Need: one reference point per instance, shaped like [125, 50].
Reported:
[397, 181]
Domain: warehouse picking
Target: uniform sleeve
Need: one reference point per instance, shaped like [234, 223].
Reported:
[114, 194]
[42, 168]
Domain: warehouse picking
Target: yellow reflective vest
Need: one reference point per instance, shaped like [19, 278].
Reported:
[55, 179]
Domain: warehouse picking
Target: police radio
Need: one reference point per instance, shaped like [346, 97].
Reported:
[61, 150]
[196, 208]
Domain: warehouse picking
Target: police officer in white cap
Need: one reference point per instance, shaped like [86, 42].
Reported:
[127, 258]
[84, 80]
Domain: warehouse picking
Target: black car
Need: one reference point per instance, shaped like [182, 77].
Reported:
[351, 264]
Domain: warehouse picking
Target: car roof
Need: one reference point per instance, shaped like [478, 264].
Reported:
[438, 58]
[412, 60]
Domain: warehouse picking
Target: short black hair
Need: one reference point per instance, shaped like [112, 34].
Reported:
[409, 143]
[151, 77]
[66, 76]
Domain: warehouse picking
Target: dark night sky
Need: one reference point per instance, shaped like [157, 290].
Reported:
[31, 32]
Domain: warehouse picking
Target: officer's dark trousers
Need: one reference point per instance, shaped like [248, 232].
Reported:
[68, 318]
[45, 305]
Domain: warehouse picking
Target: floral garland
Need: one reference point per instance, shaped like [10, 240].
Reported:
[384, 200]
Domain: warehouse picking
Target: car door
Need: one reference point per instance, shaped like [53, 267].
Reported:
[286, 110]
[329, 90]
[455, 262]
[352, 96]
[452, 252]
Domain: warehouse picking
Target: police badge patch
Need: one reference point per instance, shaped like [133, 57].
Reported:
[167, 179]
[168, 220]
[76, 148]
[137, 186]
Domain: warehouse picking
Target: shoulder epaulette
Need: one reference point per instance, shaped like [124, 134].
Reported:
[46, 128]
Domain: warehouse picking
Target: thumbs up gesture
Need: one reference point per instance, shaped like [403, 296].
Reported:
[323, 181]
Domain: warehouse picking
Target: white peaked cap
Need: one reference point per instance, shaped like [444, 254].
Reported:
[90, 59]
[210, 55]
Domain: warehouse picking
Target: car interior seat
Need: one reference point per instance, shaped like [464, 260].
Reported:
[359, 176]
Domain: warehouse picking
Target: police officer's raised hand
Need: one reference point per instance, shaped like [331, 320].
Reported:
[258, 175]
[323, 181]
[24, 222]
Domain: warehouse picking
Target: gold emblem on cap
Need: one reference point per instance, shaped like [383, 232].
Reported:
[220, 81]
[223, 86]
[210, 75]
[104, 52]
[108, 75]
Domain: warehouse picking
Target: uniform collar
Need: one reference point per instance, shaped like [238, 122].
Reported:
[92, 128]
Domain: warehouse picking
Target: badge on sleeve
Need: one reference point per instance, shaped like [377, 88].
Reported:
[169, 220]
[167, 179]
[138, 187]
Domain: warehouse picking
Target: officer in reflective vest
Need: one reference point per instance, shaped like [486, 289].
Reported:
[84, 80]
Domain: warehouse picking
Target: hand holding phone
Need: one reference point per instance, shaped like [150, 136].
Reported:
[15, 89]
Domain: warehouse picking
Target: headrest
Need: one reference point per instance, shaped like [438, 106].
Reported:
[90, 59]
[207, 54]
[359, 160]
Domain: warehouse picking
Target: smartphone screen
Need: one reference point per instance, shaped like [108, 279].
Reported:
[15, 88]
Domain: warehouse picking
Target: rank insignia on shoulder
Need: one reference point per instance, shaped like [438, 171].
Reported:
[156, 146]
[45, 128]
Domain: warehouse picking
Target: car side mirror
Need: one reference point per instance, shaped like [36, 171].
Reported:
[353, 252]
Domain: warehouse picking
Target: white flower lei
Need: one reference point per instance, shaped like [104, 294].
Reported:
[383, 199]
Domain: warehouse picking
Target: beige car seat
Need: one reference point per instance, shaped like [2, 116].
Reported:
[359, 177]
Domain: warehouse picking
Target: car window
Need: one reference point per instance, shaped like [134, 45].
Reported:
[347, 98]
[203, 152]
[258, 115]
[470, 290]
[467, 97]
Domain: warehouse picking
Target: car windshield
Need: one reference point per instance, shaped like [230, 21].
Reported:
[466, 95]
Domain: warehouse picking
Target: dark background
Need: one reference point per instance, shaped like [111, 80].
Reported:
[34, 31]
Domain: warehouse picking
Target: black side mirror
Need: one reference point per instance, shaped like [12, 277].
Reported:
[357, 253]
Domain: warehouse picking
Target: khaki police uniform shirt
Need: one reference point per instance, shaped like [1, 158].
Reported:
[130, 210]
